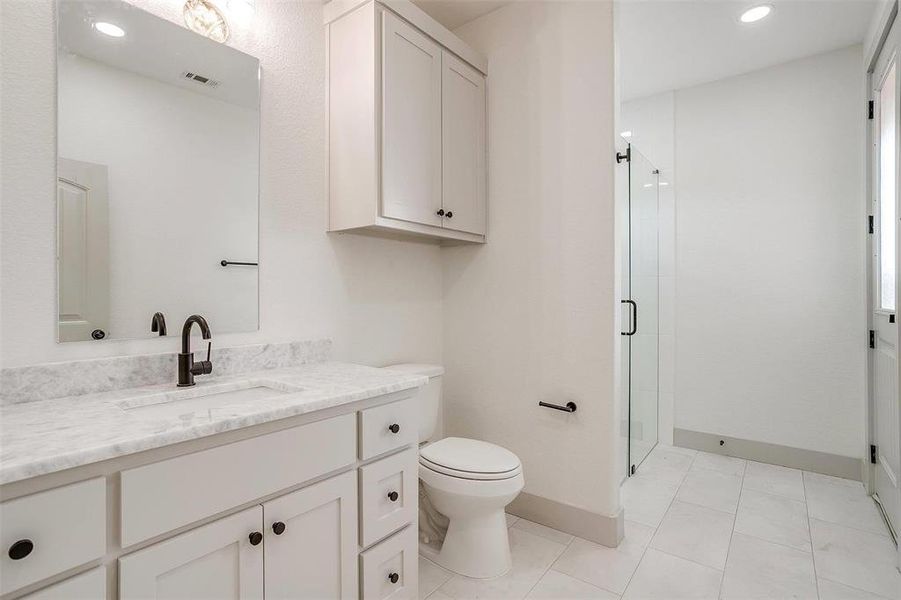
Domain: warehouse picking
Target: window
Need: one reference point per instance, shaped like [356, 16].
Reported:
[886, 229]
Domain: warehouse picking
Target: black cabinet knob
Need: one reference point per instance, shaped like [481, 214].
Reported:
[393, 577]
[393, 496]
[449, 215]
[21, 549]
[394, 428]
[255, 538]
[278, 528]
[440, 212]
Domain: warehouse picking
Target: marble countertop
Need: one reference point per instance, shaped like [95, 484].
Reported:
[46, 436]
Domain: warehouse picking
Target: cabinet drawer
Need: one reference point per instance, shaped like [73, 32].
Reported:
[87, 586]
[388, 495]
[390, 569]
[64, 528]
[163, 496]
[388, 427]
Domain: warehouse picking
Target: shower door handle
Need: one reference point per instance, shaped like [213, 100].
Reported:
[634, 317]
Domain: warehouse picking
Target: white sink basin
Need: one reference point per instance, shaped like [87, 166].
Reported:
[224, 398]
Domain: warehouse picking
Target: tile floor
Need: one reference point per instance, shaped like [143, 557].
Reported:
[704, 526]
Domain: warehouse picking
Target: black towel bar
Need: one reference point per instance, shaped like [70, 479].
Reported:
[225, 263]
[570, 406]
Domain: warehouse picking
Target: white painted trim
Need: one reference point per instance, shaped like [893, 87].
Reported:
[846, 467]
[438, 32]
[606, 530]
[336, 9]
[418, 18]
[885, 20]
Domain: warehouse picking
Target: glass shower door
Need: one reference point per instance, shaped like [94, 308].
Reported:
[642, 300]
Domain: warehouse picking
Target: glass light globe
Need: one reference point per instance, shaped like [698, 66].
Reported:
[202, 16]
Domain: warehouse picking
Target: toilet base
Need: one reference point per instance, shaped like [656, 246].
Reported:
[476, 547]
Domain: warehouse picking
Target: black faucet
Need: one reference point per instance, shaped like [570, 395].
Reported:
[158, 324]
[187, 368]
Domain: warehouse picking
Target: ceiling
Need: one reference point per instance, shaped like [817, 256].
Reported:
[672, 44]
[454, 13]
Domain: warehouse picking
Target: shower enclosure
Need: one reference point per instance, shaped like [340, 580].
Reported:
[641, 282]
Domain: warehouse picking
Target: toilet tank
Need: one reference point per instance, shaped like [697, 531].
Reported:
[429, 396]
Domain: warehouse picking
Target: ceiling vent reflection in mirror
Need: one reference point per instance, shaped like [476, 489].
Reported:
[202, 16]
[200, 79]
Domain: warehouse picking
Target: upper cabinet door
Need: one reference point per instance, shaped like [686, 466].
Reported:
[411, 123]
[217, 560]
[311, 542]
[463, 102]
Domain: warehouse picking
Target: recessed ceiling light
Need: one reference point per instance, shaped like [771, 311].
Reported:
[647, 185]
[756, 13]
[663, 184]
[625, 134]
[109, 29]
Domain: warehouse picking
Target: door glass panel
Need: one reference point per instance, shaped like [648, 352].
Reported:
[644, 284]
[887, 192]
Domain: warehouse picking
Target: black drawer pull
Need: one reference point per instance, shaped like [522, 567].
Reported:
[394, 428]
[393, 496]
[255, 538]
[278, 528]
[21, 549]
[393, 577]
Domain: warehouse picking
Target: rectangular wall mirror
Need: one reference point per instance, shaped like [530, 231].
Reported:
[158, 175]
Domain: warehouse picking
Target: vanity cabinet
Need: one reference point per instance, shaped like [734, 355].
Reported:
[406, 124]
[322, 506]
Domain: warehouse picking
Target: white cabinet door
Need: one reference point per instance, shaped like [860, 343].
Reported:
[411, 123]
[464, 181]
[315, 554]
[213, 562]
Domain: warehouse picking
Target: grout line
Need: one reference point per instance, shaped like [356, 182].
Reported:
[552, 563]
[657, 527]
[852, 587]
[813, 556]
[852, 527]
[741, 491]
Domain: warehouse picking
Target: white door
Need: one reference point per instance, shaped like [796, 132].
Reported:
[411, 123]
[311, 542]
[463, 140]
[884, 340]
[82, 250]
[218, 561]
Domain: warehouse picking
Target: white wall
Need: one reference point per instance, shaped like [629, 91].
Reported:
[379, 300]
[183, 184]
[770, 255]
[532, 315]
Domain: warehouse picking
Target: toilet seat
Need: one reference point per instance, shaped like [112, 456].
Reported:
[470, 459]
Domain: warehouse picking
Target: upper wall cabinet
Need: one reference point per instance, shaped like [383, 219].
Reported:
[406, 124]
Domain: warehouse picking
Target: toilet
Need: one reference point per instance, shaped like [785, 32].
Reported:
[468, 481]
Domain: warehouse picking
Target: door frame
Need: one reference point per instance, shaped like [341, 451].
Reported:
[873, 54]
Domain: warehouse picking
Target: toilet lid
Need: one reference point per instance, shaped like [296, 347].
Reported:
[469, 457]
